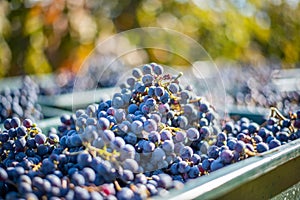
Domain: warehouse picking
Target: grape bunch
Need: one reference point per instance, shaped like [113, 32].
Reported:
[21, 102]
[102, 71]
[249, 86]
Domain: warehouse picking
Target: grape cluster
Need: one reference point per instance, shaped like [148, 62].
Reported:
[95, 75]
[21, 102]
[249, 86]
[153, 136]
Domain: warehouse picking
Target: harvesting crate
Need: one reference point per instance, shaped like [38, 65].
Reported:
[272, 174]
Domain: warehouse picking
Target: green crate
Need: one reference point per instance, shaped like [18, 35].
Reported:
[256, 114]
[76, 100]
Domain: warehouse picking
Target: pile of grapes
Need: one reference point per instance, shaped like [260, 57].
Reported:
[98, 74]
[21, 102]
[250, 86]
[153, 136]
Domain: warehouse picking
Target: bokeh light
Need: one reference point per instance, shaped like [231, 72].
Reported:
[46, 36]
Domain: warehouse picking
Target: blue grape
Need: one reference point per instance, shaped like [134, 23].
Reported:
[240, 146]
[262, 147]
[130, 138]
[274, 143]
[84, 159]
[165, 181]
[132, 108]
[137, 73]
[194, 172]
[192, 134]
[216, 164]
[180, 136]
[186, 152]
[136, 127]
[168, 146]
[125, 194]
[183, 167]
[148, 147]
[154, 137]
[3, 174]
[213, 151]
[195, 159]
[130, 164]
[40, 138]
[147, 79]
[15, 122]
[147, 69]
[159, 91]
[150, 125]
[226, 156]
[107, 136]
[117, 143]
[157, 69]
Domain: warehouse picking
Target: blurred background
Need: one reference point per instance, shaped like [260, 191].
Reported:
[57, 35]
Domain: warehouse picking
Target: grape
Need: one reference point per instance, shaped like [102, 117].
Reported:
[95, 196]
[15, 122]
[118, 102]
[183, 167]
[157, 69]
[216, 164]
[107, 136]
[103, 123]
[148, 147]
[168, 131]
[125, 194]
[195, 159]
[40, 138]
[132, 108]
[180, 136]
[192, 134]
[194, 172]
[137, 73]
[130, 138]
[159, 91]
[168, 146]
[186, 152]
[7, 124]
[150, 125]
[81, 193]
[130, 164]
[84, 159]
[147, 69]
[185, 95]
[262, 147]
[213, 152]
[75, 140]
[3, 174]
[174, 88]
[154, 137]
[165, 98]
[136, 127]
[117, 143]
[274, 143]
[226, 156]
[282, 136]
[204, 133]
[182, 121]
[158, 155]
[240, 146]
[231, 143]
[147, 79]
